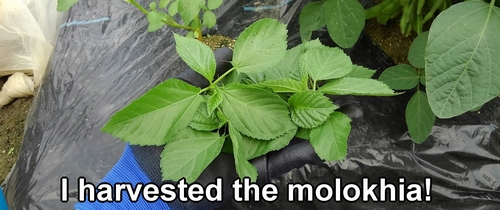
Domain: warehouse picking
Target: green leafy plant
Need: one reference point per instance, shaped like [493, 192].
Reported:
[419, 115]
[462, 62]
[195, 14]
[456, 61]
[344, 19]
[269, 96]
[413, 13]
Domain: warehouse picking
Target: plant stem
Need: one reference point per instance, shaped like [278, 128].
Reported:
[314, 85]
[217, 80]
[197, 27]
[170, 21]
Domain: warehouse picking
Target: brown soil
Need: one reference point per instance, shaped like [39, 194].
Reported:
[390, 39]
[12, 119]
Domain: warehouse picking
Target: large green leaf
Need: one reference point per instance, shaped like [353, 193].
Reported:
[463, 58]
[155, 117]
[357, 86]
[197, 55]
[416, 54]
[310, 108]
[325, 63]
[330, 139]
[288, 67]
[214, 100]
[361, 72]
[189, 153]
[65, 5]
[419, 117]
[345, 19]
[311, 18]
[243, 167]
[255, 148]
[260, 46]
[287, 85]
[188, 9]
[204, 120]
[400, 77]
[256, 112]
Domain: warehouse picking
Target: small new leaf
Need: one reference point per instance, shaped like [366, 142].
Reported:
[209, 19]
[155, 117]
[310, 109]
[259, 47]
[357, 86]
[204, 120]
[214, 101]
[243, 167]
[197, 55]
[154, 19]
[189, 153]
[330, 139]
[163, 4]
[419, 117]
[255, 112]
[188, 9]
[288, 67]
[400, 77]
[325, 63]
[173, 8]
[65, 5]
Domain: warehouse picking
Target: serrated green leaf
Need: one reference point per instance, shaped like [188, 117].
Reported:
[313, 44]
[163, 4]
[213, 4]
[197, 55]
[189, 153]
[243, 167]
[259, 47]
[255, 147]
[330, 139]
[214, 101]
[310, 109]
[361, 72]
[288, 67]
[400, 77]
[254, 78]
[417, 50]
[303, 133]
[65, 5]
[311, 18]
[209, 19]
[345, 19]
[204, 120]
[462, 58]
[154, 19]
[325, 63]
[155, 117]
[173, 9]
[357, 86]
[233, 77]
[188, 9]
[419, 117]
[287, 85]
[256, 112]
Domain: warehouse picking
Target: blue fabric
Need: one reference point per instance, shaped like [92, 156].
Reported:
[126, 170]
[3, 203]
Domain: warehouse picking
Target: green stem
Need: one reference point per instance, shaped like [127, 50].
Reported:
[217, 80]
[314, 85]
[170, 21]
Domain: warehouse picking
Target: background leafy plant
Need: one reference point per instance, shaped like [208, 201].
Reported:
[261, 109]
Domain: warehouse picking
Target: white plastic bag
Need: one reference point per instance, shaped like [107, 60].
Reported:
[28, 32]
